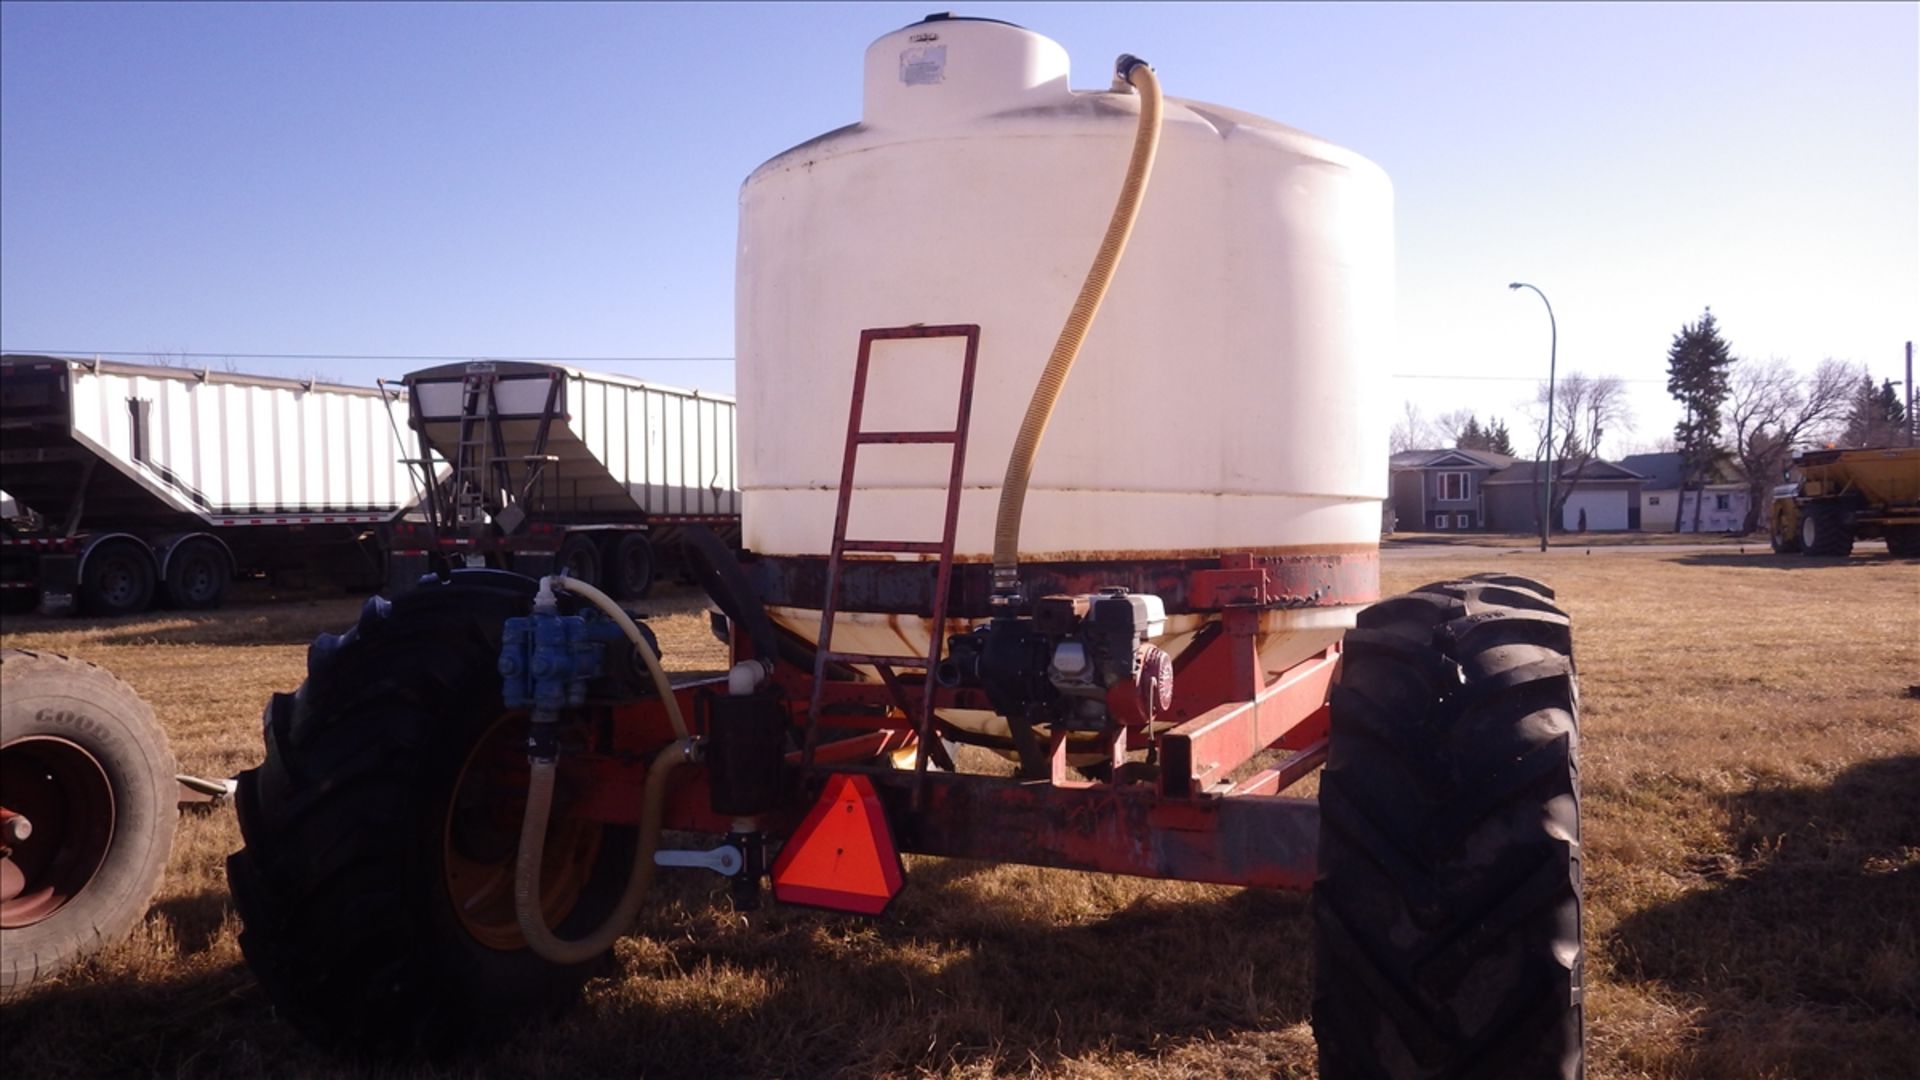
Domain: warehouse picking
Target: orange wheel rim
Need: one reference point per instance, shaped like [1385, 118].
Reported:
[481, 841]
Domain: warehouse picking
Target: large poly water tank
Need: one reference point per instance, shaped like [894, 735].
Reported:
[1228, 399]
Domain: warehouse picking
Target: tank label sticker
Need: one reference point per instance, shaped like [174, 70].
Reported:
[923, 65]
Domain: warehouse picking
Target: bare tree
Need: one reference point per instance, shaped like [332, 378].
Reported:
[1448, 426]
[1773, 410]
[1586, 408]
[1411, 431]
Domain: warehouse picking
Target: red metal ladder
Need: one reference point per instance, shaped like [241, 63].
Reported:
[858, 436]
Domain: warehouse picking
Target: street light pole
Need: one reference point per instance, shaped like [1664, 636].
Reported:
[1553, 356]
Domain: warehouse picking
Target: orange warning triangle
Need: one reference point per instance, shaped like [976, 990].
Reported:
[842, 856]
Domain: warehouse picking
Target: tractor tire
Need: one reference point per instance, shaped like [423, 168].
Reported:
[630, 566]
[1446, 912]
[375, 881]
[1823, 531]
[197, 576]
[1903, 541]
[118, 579]
[84, 761]
[1785, 541]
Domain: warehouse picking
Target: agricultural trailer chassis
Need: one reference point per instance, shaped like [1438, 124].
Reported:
[1186, 819]
[1442, 850]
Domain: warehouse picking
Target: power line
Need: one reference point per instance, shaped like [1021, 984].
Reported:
[371, 356]
[1505, 378]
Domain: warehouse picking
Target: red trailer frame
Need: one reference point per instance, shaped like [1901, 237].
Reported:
[1197, 821]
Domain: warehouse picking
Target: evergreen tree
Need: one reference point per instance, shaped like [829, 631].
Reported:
[1493, 437]
[1876, 416]
[1699, 376]
[1471, 436]
[1498, 440]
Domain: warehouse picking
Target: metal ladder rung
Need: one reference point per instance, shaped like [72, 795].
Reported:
[866, 437]
[901, 547]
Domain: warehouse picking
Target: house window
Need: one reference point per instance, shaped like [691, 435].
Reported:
[1723, 502]
[1451, 486]
[1440, 521]
[1462, 521]
[1653, 500]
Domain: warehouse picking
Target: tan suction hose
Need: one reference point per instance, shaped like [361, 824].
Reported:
[1013, 489]
[533, 827]
[533, 841]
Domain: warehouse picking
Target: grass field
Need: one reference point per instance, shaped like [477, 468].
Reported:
[1751, 772]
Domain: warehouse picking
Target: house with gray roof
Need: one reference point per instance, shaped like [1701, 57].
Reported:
[1723, 502]
[1608, 496]
[1442, 490]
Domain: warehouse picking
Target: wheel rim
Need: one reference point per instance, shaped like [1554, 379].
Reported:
[482, 839]
[196, 578]
[1808, 533]
[637, 568]
[61, 789]
[578, 564]
[118, 584]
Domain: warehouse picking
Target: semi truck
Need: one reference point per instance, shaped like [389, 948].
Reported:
[139, 484]
[1834, 497]
[544, 466]
[131, 485]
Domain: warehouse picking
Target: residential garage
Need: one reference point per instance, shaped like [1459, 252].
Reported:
[1609, 494]
[1606, 511]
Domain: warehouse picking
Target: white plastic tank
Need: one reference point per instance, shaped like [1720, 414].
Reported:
[1228, 398]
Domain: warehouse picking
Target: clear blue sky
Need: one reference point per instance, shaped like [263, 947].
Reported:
[561, 180]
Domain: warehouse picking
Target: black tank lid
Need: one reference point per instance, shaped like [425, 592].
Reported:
[948, 16]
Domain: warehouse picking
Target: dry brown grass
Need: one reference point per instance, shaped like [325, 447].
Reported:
[1752, 781]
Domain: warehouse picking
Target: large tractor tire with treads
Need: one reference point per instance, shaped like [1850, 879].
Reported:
[1903, 541]
[1447, 908]
[88, 781]
[1823, 530]
[376, 880]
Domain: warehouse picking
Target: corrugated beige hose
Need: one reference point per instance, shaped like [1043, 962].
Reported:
[1026, 446]
[533, 826]
[533, 841]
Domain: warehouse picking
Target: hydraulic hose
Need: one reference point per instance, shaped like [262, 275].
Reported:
[1128, 70]
[533, 826]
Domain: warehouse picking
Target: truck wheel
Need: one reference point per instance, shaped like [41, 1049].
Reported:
[630, 567]
[118, 579]
[579, 558]
[84, 762]
[1785, 541]
[1903, 541]
[1823, 531]
[1446, 913]
[375, 883]
[197, 575]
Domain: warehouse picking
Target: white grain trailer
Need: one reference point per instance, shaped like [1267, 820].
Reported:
[548, 465]
[152, 483]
